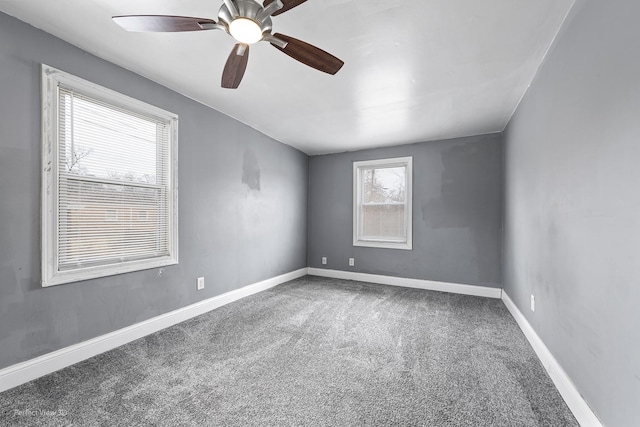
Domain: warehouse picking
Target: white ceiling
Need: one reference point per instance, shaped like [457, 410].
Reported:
[415, 70]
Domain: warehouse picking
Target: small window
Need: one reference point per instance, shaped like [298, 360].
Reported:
[382, 203]
[105, 157]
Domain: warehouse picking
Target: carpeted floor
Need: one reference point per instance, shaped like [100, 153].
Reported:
[314, 351]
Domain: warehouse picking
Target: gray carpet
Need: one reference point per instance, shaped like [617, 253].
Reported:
[313, 351]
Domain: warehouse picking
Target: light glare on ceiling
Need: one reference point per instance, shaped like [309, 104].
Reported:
[245, 30]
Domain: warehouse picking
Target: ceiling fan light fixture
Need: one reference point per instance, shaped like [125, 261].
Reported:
[245, 30]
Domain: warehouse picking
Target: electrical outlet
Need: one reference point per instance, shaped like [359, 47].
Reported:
[533, 302]
[352, 262]
[200, 283]
[324, 260]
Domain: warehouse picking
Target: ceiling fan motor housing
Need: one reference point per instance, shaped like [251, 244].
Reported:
[247, 9]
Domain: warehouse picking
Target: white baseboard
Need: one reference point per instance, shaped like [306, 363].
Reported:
[568, 391]
[21, 373]
[429, 285]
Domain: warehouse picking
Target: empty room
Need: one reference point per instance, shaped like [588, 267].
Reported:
[320, 213]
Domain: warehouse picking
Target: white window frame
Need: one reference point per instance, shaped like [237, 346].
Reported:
[358, 239]
[52, 78]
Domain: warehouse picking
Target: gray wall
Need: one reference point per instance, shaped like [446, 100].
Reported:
[572, 205]
[457, 213]
[232, 230]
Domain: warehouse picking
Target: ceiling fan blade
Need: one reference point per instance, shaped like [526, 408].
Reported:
[235, 66]
[288, 4]
[162, 23]
[309, 55]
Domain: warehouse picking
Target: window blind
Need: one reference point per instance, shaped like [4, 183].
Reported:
[113, 183]
[383, 214]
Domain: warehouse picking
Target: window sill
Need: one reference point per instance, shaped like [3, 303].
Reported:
[407, 246]
[81, 274]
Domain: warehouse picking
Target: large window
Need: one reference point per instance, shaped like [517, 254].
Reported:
[382, 203]
[109, 185]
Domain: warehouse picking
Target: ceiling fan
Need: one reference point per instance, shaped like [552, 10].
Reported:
[246, 21]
